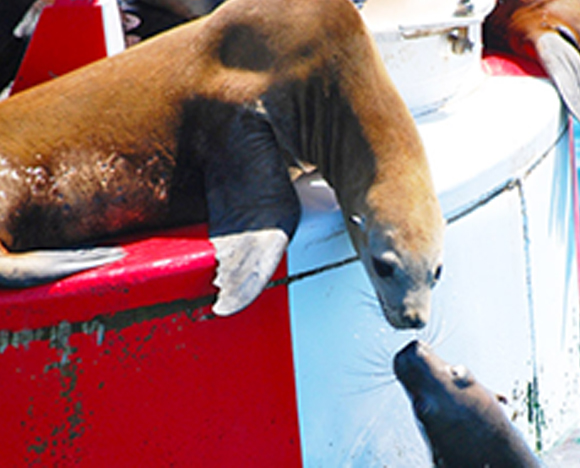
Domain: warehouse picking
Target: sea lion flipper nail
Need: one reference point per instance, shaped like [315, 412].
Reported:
[246, 263]
[562, 62]
[19, 270]
[253, 209]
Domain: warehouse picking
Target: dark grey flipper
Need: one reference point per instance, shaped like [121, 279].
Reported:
[561, 59]
[20, 270]
[253, 208]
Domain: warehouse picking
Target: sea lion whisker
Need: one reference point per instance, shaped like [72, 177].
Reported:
[377, 388]
[368, 299]
[378, 361]
[364, 388]
[438, 338]
[378, 373]
[431, 332]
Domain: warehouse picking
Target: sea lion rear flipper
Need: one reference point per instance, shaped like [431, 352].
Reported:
[253, 209]
[561, 59]
[19, 270]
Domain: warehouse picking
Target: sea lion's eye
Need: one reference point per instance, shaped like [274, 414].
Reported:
[384, 268]
[461, 375]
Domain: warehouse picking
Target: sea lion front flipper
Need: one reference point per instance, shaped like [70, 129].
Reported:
[561, 59]
[253, 209]
[247, 261]
[20, 270]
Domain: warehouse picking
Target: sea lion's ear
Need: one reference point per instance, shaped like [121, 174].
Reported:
[253, 209]
[358, 220]
[561, 59]
[501, 399]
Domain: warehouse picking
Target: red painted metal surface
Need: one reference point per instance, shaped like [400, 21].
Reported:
[502, 64]
[178, 390]
[163, 385]
[161, 267]
[69, 34]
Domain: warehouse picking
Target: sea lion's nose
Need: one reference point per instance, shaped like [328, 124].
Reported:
[405, 318]
[414, 319]
[416, 308]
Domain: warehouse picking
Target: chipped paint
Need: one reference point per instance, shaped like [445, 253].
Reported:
[97, 392]
[59, 335]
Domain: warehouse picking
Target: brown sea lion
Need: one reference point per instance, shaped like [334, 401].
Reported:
[199, 122]
[547, 31]
[462, 420]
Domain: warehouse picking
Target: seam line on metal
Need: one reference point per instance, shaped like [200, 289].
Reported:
[510, 184]
[534, 410]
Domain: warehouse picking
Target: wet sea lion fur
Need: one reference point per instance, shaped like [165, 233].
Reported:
[463, 422]
[200, 123]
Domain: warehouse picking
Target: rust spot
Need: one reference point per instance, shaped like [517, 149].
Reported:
[38, 448]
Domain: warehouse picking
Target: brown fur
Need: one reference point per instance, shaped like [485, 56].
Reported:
[515, 25]
[116, 146]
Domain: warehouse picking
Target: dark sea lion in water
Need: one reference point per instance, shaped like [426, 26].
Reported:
[547, 31]
[462, 420]
[198, 123]
[142, 20]
[186, 8]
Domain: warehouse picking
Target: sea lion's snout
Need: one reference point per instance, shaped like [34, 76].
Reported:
[416, 308]
[407, 316]
[410, 364]
[405, 298]
[404, 358]
[414, 318]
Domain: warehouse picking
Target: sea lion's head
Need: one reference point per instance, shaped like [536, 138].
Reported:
[404, 262]
[381, 175]
[438, 391]
[402, 277]
[312, 72]
[397, 227]
[449, 404]
[462, 420]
